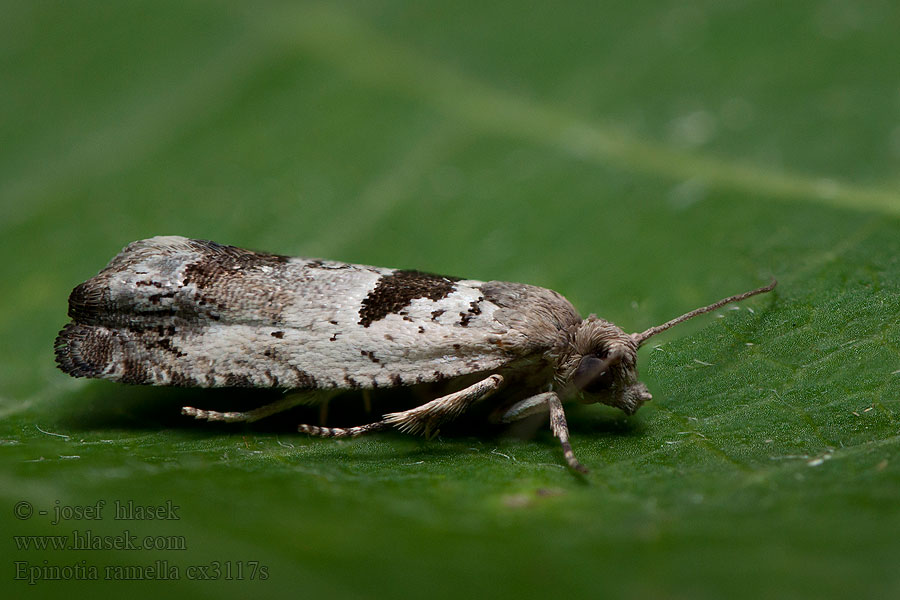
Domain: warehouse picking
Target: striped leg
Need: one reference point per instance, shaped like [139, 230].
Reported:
[340, 432]
[422, 419]
[561, 430]
[287, 402]
[541, 403]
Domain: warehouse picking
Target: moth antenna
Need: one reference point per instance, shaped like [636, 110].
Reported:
[640, 338]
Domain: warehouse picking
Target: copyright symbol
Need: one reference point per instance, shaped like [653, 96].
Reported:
[23, 510]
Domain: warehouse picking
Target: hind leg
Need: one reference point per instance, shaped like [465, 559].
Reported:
[425, 419]
[286, 403]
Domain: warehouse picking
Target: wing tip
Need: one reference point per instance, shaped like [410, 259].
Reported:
[79, 350]
[87, 300]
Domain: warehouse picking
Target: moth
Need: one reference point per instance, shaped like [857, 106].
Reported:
[182, 312]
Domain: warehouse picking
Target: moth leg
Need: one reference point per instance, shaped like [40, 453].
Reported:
[561, 430]
[287, 402]
[340, 432]
[431, 415]
[425, 418]
[535, 405]
[542, 403]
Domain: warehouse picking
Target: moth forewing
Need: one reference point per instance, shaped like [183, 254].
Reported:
[176, 311]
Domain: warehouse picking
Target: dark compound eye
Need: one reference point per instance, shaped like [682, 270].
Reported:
[594, 373]
[600, 383]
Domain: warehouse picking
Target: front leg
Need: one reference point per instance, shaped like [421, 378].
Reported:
[542, 403]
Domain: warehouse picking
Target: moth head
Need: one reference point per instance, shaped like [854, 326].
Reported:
[603, 366]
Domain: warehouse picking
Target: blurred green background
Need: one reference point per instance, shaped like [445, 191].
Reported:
[640, 158]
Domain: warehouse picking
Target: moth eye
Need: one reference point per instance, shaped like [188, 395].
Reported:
[600, 383]
[594, 373]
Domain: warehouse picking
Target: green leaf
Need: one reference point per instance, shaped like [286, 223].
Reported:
[641, 160]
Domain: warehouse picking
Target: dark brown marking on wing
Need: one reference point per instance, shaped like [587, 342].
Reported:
[220, 275]
[166, 344]
[179, 379]
[394, 292]
[214, 267]
[318, 263]
[273, 379]
[304, 379]
[219, 260]
[474, 310]
[134, 371]
[237, 380]
[156, 298]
